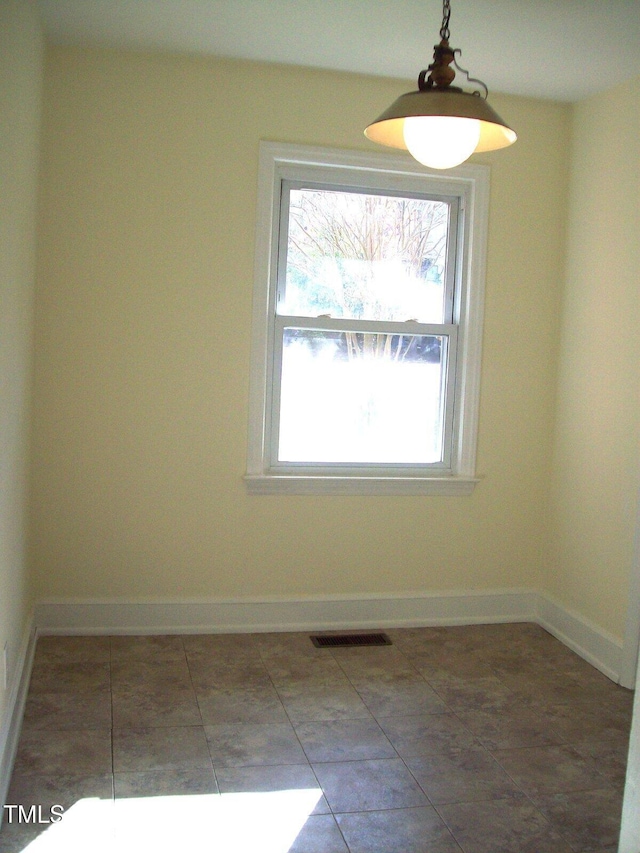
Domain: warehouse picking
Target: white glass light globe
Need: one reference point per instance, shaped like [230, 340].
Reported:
[441, 142]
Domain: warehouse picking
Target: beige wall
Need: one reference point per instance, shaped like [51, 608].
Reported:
[143, 330]
[596, 460]
[20, 84]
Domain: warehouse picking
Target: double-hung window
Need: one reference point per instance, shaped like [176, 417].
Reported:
[367, 325]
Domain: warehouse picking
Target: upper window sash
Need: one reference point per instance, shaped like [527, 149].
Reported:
[358, 185]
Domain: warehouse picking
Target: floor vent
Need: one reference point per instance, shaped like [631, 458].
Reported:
[323, 641]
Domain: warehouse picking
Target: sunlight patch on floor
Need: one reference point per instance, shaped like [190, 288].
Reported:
[224, 823]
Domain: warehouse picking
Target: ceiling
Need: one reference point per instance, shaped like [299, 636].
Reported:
[558, 49]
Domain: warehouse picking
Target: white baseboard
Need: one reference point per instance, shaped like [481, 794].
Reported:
[592, 643]
[12, 720]
[333, 613]
[283, 614]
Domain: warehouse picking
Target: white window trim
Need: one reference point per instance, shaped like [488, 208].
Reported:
[278, 160]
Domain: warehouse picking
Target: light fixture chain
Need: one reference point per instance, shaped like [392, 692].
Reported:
[446, 14]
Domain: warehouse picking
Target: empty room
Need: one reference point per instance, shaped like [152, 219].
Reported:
[319, 450]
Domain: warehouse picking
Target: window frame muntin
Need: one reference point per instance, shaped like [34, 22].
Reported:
[395, 171]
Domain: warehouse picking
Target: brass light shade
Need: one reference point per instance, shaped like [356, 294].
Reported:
[388, 128]
[462, 113]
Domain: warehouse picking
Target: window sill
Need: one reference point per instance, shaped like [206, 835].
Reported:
[279, 484]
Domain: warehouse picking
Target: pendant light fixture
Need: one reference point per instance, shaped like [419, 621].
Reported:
[441, 125]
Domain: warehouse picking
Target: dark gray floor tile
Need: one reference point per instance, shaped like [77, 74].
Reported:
[150, 676]
[166, 748]
[610, 759]
[589, 820]
[344, 740]
[276, 644]
[74, 752]
[462, 776]
[417, 830]
[550, 769]
[71, 677]
[399, 696]
[313, 702]
[164, 783]
[55, 649]
[470, 693]
[221, 646]
[546, 689]
[415, 639]
[77, 710]
[208, 674]
[139, 706]
[363, 664]
[427, 734]
[590, 719]
[251, 744]
[502, 826]
[151, 648]
[452, 664]
[241, 705]
[510, 725]
[355, 786]
[290, 669]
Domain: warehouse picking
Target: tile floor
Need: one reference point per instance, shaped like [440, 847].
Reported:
[482, 739]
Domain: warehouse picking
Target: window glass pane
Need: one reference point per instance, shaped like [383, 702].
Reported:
[363, 256]
[353, 397]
